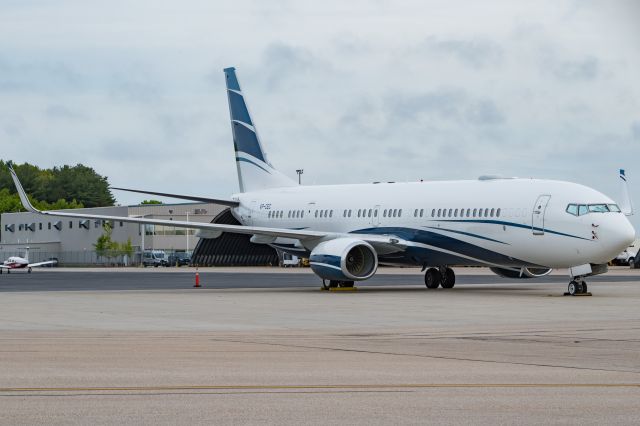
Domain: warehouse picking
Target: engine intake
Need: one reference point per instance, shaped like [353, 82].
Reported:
[523, 273]
[344, 259]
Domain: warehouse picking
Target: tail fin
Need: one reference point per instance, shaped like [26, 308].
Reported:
[254, 170]
[626, 205]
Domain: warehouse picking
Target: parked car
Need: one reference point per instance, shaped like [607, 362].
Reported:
[179, 259]
[627, 257]
[154, 258]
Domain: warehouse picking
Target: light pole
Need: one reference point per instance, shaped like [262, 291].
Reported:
[300, 172]
[187, 232]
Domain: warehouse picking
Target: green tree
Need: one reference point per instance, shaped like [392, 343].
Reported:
[151, 202]
[58, 188]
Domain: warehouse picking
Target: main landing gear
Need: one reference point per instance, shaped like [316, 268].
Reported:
[436, 277]
[335, 284]
[29, 271]
[577, 287]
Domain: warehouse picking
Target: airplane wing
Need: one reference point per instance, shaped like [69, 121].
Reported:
[383, 243]
[48, 262]
[4, 266]
[229, 203]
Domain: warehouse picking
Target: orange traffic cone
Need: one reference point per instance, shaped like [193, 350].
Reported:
[197, 279]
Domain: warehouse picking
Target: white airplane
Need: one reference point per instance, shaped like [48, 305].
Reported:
[17, 262]
[520, 228]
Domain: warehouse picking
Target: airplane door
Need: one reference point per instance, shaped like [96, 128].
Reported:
[537, 217]
[375, 216]
[251, 212]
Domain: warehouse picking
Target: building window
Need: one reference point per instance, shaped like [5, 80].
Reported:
[49, 225]
[70, 224]
[40, 226]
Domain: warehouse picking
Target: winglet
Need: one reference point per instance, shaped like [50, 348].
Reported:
[23, 195]
[626, 205]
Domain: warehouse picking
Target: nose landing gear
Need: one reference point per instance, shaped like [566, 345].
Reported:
[577, 287]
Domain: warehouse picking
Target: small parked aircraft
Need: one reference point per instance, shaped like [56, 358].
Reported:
[17, 262]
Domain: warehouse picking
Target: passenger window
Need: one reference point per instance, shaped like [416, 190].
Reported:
[572, 209]
[316, 213]
[421, 212]
[330, 213]
[375, 213]
[369, 214]
[415, 213]
[475, 212]
[450, 212]
[400, 213]
[439, 212]
[455, 213]
[492, 211]
[498, 213]
[468, 212]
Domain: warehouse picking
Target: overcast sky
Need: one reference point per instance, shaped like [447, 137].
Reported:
[350, 91]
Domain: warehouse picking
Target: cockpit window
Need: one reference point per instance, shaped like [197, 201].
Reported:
[572, 209]
[582, 209]
[598, 208]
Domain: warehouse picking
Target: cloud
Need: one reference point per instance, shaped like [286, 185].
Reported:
[449, 104]
[585, 69]
[64, 113]
[635, 131]
[474, 52]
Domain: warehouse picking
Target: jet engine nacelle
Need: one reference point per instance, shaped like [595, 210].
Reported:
[344, 259]
[521, 273]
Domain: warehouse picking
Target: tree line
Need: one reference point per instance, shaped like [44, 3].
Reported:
[65, 187]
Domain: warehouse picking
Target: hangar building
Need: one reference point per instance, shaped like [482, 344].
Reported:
[71, 241]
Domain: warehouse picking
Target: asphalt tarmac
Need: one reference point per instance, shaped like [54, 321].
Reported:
[48, 279]
[266, 346]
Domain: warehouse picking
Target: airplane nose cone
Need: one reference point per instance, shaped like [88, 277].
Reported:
[621, 235]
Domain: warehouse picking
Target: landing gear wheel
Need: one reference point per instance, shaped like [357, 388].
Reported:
[584, 287]
[347, 284]
[29, 270]
[573, 288]
[334, 284]
[449, 278]
[432, 278]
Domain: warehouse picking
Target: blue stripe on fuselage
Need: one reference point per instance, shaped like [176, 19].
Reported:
[513, 224]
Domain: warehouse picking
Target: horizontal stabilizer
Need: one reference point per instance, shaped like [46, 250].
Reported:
[229, 203]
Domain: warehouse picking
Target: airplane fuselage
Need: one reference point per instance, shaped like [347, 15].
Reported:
[499, 222]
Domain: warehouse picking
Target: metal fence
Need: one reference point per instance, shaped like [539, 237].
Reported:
[77, 258]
